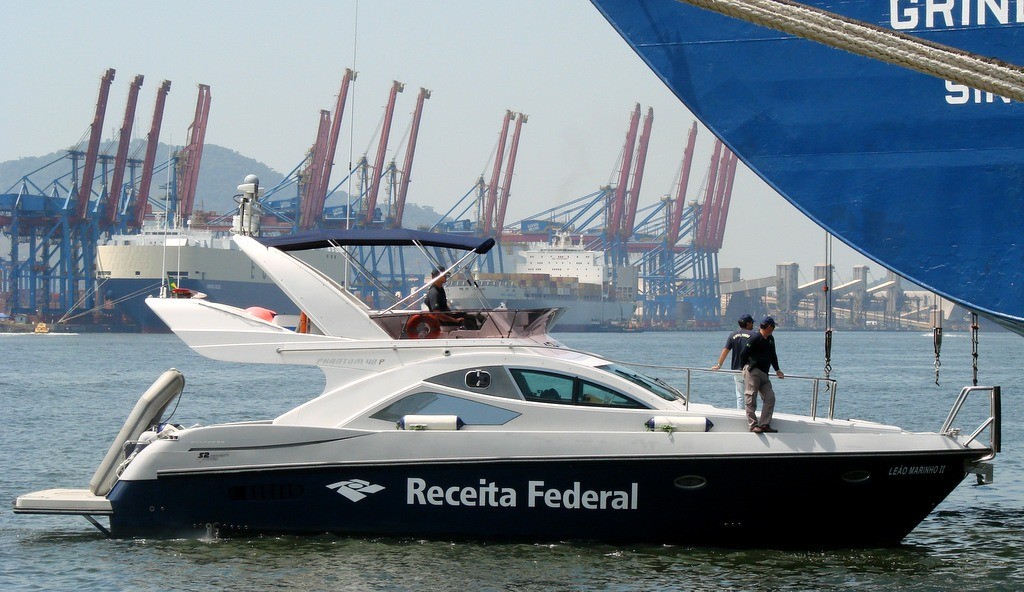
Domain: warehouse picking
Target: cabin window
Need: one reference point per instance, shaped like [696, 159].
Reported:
[654, 385]
[548, 387]
[428, 403]
[545, 386]
[595, 394]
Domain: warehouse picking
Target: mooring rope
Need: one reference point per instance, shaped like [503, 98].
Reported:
[974, 345]
[937, 343]
[828, 304]
[869, 40]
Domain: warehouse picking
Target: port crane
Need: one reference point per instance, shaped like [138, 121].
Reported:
[108, 217]
[317, 176]
[141, 201]
[190, 157]
[488, 200]
[55, 225]
[673, 243]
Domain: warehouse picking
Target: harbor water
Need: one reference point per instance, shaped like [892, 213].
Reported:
[63, 397]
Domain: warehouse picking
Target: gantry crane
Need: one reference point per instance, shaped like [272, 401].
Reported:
[489, 199]
[371, 214]
[141, 201]
[61, 225]
[661, 239]
[410, 152]
[487, 221]
[190, 157]
[84, 184]
[506, 185]
[310, 178]
[108, 218]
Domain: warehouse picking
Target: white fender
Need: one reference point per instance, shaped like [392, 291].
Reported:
[670, 423]
[149, 408]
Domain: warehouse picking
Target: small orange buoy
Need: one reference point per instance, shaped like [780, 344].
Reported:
[261, 313]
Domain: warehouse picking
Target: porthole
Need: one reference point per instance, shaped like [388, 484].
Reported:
[857, 476]
[690, 482]
[478, 379]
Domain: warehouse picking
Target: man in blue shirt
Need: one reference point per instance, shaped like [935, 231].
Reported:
[734, 344]
[756, 358]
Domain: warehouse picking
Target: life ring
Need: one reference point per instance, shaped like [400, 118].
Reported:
[422, 326]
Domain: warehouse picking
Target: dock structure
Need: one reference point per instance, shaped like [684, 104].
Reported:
[854, 303]
[55, 215]
[665, 255]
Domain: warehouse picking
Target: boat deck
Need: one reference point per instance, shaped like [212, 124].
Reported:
[63, 501]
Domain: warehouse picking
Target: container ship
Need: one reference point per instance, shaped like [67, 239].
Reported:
[133, 266]
[597, 297]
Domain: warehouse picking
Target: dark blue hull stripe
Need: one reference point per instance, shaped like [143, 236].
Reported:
[795, 501]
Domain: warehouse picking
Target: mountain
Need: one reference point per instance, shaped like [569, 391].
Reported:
[221, 172]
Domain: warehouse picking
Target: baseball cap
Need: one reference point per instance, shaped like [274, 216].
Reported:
[746, 319]
[768, 321]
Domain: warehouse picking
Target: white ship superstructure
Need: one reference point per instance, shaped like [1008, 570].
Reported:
[565, 274]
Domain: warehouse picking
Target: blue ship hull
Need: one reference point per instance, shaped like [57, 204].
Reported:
[921, 175]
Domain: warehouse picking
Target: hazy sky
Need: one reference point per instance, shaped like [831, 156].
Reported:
[273, 65]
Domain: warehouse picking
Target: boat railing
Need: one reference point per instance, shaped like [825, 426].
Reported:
[819, 385]
[467, 323]
[993, 422]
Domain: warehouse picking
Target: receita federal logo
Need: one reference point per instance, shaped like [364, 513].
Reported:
[355, 489]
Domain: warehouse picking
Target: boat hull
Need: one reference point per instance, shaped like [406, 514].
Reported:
[800, 501]
[131, 294]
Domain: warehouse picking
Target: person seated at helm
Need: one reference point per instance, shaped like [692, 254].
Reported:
[437, 301]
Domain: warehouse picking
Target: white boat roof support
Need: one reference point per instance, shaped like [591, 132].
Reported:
[455, 268]
[328, 305]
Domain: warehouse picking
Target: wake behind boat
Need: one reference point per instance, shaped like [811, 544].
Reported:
[494, 430]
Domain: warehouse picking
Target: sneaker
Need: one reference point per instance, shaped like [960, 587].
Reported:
[768, 429]
[756, 429]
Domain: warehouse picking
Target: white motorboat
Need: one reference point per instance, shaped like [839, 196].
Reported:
[494, 430]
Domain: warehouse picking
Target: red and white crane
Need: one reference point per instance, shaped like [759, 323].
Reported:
[190, 157]
[502, 206]
[382, 147]
[410, 152]
[619, 197]
[311, 178]
[121, 160]
[149, 160]
[92, 152]
[633, 195]
[491, 200]
[317, 177]
[679, 203]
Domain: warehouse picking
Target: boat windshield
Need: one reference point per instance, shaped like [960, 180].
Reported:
[655, 385]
